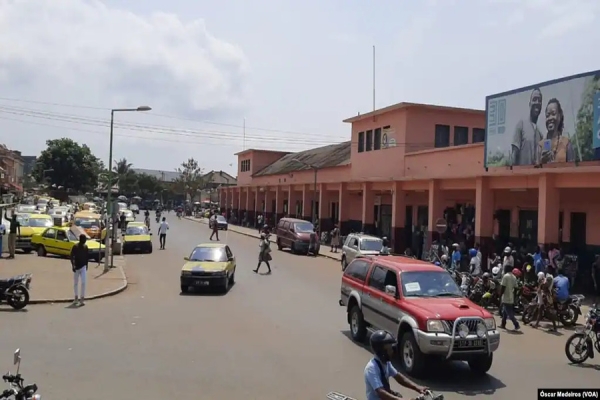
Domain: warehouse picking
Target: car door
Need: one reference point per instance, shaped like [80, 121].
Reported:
[231, 258]
[389, 302]
[49, 241]
[286, 233]
[372, 298]
[354, 279]
[352, 249]
[62, 242]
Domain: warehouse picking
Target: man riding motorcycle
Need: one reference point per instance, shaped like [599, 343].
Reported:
[147, 219]
[379, 369]
[474, 263]
[158, 215]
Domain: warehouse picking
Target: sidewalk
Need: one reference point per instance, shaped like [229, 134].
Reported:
[323, 252]
[53, 278]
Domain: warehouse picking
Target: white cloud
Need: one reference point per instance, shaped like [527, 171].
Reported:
[85, 52]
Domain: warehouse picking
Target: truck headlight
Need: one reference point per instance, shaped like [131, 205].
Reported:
[435, 325]
[490, 324]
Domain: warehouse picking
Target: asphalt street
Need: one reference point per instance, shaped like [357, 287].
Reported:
[278, 336]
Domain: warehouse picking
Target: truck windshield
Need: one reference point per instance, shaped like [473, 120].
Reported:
[371, 244]
[429, 284]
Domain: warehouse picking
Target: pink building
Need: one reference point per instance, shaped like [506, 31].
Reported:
[410, 166]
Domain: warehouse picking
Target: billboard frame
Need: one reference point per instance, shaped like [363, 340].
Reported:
[519, 90]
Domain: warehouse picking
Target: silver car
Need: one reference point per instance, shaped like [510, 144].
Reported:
[359, 244]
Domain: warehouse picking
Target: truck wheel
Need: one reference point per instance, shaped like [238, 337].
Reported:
[358, 327]
[480, 365]
[413, 361]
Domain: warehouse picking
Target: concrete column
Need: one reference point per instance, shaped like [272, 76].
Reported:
[484, 218]
[343, 209]
[267, 204]
[293, 202]
[435, 208]
[306, 203]
[324, 209]
[548, 210]
[368, 203]
[279, 197]
[398, 238]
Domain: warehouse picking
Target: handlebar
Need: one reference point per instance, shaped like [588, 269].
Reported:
[12, 378]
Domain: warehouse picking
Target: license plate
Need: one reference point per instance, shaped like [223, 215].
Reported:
[201, 283]
[470, 343]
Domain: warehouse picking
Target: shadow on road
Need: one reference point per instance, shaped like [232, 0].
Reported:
[449, 376]
[586, 366]
[9, 309]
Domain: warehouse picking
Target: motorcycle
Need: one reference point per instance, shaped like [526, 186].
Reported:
[18, 390]
[585, 340]
[428, 395]
[567, 312]
[15, 291]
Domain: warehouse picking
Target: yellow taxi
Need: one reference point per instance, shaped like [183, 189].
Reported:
[137, 238]
[89, 222]
[209, 265]
[89, 206]
[59, 241]
[30, 225]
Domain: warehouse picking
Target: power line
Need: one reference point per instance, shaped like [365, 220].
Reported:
[163, 116]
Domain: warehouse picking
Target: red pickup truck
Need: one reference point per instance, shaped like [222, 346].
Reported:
[423, 307]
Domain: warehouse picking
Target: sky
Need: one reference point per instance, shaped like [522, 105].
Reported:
[285, 72]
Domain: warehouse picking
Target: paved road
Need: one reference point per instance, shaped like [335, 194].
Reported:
[279, 336]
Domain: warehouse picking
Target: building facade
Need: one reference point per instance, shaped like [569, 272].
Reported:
[11, 170]
[416, 167]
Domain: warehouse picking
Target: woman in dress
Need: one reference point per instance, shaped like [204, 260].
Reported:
[557, 146]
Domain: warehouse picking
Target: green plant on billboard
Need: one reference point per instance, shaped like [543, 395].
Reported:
[585, 119]
[497, 159]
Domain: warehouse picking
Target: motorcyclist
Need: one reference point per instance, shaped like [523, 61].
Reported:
[380, 369]
[444, 260]
[545, 300]
[486, 283]
[147, 219]
[456, 257]
[507, 258]
[158, 213]
[561, 285]
[474, 263]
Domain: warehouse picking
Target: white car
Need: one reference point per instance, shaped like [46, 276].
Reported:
[129, 216]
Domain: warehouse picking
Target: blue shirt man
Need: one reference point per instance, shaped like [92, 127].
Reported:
[373, 377]
[456, 257]
[561, 283]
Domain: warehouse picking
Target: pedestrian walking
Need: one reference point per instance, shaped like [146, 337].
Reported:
[259, 221]
[14, 231]
[212, 222]
[335, 239]
[79, 264]
[162, 233]
[509, 283]
[3, 232]
[265, 252]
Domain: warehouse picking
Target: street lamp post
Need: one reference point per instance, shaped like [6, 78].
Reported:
[109, 183]
[314, 205]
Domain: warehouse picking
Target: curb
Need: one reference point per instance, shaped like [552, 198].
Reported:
[98, 296]
[252, 236]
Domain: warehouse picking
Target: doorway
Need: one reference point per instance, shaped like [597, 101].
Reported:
[385, 220]
[408, 226]
[577, 236]
[503, 218]
[528, 227]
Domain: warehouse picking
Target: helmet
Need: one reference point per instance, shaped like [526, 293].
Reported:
[486, 295]
[381, 344]
[455, 245]
[496, 270]
[541, 276]
[516, 272]
[472, 252]
[486, 275]
[444, 257]
[507, 249]
[528, 268]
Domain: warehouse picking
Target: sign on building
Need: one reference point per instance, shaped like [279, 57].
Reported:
[545, 123]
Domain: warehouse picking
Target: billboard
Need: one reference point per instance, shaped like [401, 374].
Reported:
[556, 121]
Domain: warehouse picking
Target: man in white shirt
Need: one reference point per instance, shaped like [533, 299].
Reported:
[162, 233]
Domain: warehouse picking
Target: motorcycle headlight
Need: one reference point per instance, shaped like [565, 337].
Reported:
[435, 325]
[490, 324]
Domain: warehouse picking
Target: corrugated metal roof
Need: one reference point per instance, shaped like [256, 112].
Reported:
[334, 155]
[163, 176]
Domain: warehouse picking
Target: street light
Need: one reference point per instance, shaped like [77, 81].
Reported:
[314, 205]
[109, 180]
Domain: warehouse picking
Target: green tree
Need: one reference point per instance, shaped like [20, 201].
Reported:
[148, 184]
[191, 179]
[125, 176]
[68, 164]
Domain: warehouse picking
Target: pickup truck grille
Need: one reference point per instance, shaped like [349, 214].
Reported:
[471, 324]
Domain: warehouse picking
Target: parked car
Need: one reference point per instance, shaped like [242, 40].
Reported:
[221, 223]
[359, 244]
[296, 234]
[422, 306]
[60, 241]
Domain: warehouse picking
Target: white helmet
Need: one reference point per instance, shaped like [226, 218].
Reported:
[444, 257]
[507, 249]
[495, 270]
[455, 245]
[541, 276]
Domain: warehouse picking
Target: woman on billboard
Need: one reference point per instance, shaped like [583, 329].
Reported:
[557, 146]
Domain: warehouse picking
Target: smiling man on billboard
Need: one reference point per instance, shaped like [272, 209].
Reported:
[525, 145]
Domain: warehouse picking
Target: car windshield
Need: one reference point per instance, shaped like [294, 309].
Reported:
[87, 222]
[304, 227]
[371, 244]
[213, 254]
[34, 222]
[136, 230]
[25, 208]
[221, 218]
[71, 236]
[429, 284]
